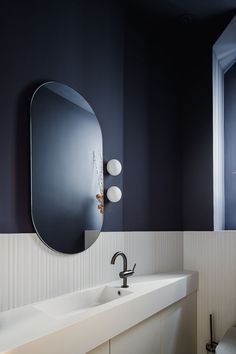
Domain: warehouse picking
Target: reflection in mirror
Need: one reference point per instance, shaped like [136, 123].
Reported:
[66, 169]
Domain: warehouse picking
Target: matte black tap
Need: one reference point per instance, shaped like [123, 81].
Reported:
[126, 272]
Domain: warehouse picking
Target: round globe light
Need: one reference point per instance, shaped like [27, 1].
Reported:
[114, 167]
[114, 194]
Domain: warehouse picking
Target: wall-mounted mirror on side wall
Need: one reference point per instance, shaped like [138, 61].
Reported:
[67, 196]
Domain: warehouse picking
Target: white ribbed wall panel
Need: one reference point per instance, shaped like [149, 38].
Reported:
[29, 271]
[154, 252]
[213, 255]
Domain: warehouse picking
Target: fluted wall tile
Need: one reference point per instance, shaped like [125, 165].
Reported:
[29, 271]
[155, 251]
[169, 252]
[213, 255]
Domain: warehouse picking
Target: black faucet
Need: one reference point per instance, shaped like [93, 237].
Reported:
[126, 273]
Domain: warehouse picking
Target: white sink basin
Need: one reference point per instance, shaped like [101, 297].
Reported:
[80, 301]
[106, 311]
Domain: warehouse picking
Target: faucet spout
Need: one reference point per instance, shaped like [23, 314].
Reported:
[113, 260]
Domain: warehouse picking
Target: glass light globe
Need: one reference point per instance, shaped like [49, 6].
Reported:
[114, 167]
[114, 194]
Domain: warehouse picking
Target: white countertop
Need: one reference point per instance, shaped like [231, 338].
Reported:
[29, 330]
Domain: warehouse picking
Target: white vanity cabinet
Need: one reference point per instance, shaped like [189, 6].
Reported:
[179, 327]
[171, 331]
[144, 338]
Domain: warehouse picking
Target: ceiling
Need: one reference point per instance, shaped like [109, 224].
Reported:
[196, 8]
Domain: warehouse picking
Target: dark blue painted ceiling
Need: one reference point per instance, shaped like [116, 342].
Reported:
[199, 9]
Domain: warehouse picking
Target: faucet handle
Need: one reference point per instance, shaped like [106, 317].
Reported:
[127, 273]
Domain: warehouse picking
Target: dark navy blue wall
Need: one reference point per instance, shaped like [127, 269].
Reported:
[150, 88]
[74, 42]
[168, 121]
[152, 173]
[82, 45]
[195, 58]
[136, 125]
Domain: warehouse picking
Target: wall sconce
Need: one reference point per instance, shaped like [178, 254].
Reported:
[114, 167]
[114, 194]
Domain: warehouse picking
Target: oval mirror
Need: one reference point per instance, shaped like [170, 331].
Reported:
[66, 169]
